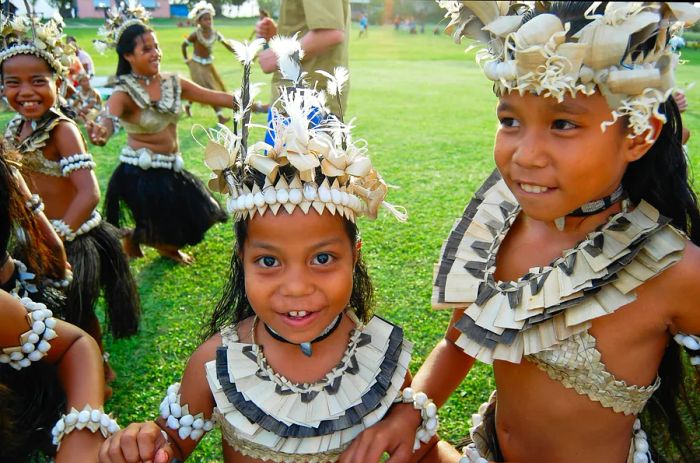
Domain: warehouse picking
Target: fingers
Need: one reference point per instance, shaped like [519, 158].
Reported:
[137, 443]
[369, 447]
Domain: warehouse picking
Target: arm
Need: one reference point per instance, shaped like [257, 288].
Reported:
[87, 193]
[79, 370]
[441, 373]
[186, 43]
[315, 42]
[193, 92]
[682, 279]
[147, 440]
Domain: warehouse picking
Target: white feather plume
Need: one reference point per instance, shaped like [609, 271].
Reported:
[336, 81]
[246, 52]
[289, 55]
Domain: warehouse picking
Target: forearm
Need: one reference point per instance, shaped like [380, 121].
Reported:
[184, 50]
[442, 372]
[318, 41]
[81, 208]
[81, 375]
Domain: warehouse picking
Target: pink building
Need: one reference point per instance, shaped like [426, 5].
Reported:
[96, 8]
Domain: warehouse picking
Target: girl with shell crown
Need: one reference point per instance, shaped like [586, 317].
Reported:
[47, 367]
[57, 167]
[294, 366]
[575, 266]
[201, 64]
[170, 207]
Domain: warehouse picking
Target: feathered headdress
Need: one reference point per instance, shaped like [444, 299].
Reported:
[200, 9]
[311, 163]
[623, 51]
[26, 35]
[118, 20]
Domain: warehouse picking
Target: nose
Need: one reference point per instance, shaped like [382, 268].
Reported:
[531, 150]
[298, 282]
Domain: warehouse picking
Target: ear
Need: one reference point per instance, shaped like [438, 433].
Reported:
[638, 146]
[356, 252]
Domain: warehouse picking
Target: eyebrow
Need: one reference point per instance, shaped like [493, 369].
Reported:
[271, 247]
[564, 107]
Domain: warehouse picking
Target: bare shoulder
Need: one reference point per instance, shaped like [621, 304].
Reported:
[192, 38]
[206, 352]
[14, 321]
[67, 139]
[686, 272]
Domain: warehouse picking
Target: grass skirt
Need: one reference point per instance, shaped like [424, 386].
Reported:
[168, 207]
[99, 262]
[206, 75]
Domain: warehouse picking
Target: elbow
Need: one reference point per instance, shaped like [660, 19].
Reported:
[92, 198]
[335, 37]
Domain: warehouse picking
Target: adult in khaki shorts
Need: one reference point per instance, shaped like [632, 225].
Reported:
[323, 29]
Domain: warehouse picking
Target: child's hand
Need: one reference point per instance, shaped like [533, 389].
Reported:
[266, 28]
[395, 434]
[139, 442]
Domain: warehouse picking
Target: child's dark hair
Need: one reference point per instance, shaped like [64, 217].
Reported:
[234, 306]
[661, 178]
[127, 44]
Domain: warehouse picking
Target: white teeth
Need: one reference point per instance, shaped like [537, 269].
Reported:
[533, 188]
[297, 313]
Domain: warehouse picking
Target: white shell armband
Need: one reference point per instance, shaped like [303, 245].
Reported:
[471, 455]
[76, 162]
[428, 413]
[691, 344]
[35, 204]
[67, 234]
[177, 417]
[92, 419]
[34, 344]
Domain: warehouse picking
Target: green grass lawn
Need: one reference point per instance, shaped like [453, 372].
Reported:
[428, 115]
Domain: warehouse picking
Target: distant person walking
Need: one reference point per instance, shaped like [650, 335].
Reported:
[364, 22]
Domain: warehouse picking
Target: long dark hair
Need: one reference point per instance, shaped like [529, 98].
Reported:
[13, 215]
[127, 44]
[234, 306]
[661, 178]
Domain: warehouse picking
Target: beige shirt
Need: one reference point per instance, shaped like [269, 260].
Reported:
[304, 15]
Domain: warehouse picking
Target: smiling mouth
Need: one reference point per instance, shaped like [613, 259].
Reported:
[530, 188]
[29, 104]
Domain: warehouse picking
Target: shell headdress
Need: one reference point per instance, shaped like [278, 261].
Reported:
[25, 35]
[623, 51]
[200, 9]
[312, 161]
[118, 20]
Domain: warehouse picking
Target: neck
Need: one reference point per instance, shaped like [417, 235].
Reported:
[307, 347]
[587, 223]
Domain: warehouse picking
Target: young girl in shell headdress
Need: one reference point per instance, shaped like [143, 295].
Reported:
[46, 366]
[575, 267]
[58, 169]
[294, 366]
[201, 63]
[171, 207]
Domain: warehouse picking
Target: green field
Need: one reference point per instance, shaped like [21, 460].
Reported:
[428, 115]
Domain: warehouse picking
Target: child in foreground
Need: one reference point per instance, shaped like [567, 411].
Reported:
[57, 167]
[295, 366]
[575, 266]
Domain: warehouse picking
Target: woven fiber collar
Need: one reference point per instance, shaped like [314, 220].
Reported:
[504, 320]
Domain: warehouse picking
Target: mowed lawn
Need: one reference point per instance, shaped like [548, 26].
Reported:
[428, 116]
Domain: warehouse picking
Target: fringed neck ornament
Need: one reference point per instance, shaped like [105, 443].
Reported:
[118, 19]
[27, 35]
[313, 161]
[611, 53]
[266, 416]
[304, 346]
[504, 320]
[594, 207]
